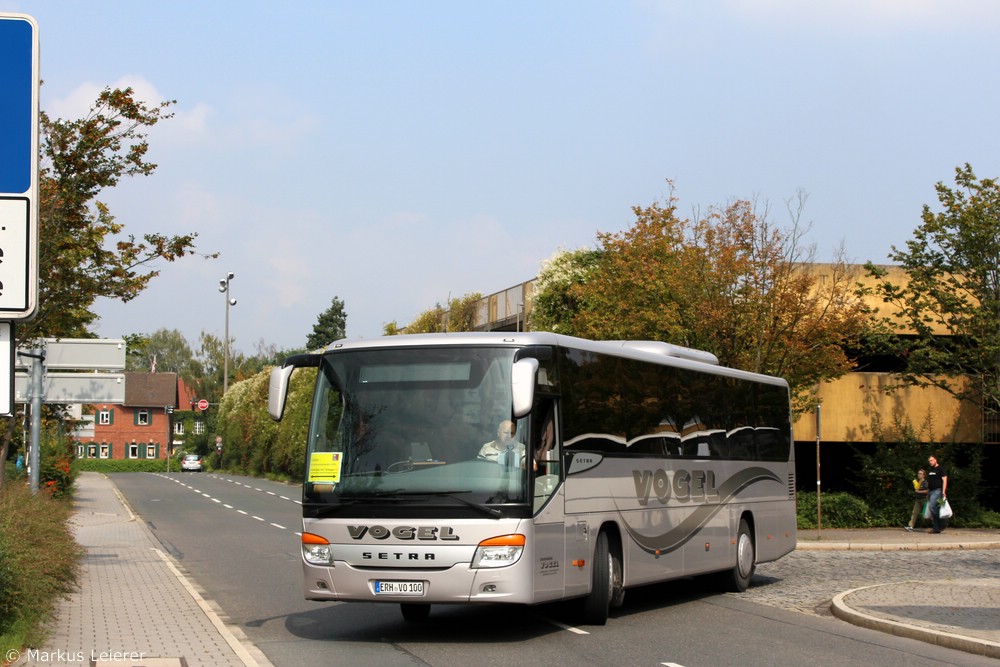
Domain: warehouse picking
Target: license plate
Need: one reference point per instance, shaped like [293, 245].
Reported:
[399, 588]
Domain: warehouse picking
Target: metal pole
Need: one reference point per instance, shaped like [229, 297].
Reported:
[37, 389]
[819, 513]
[224, 288]
[225, 371]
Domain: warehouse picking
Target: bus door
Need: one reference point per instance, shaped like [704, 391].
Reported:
[548, 503]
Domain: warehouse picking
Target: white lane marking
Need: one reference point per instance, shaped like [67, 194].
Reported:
[228, 506]
[568, 628]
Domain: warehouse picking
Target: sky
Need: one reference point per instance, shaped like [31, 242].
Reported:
[398, 154]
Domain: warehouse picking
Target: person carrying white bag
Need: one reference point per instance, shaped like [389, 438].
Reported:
[937, 494]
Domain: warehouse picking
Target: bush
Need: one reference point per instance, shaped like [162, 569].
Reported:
[126, 465]
[39, 563]
[839, 510]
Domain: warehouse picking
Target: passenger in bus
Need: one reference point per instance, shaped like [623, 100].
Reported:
[544, 446]
[503, 445]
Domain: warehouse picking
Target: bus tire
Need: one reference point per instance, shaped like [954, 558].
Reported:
[415, 612]
[737, 580]
[598, 602]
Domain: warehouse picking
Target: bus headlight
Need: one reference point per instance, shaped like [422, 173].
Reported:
[316, 550]
[498, 551]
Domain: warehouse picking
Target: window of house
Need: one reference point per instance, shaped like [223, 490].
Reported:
[104, 417]
[105, 451]
[142, 417]
[91, 451]
[80, 449]
[133, 451]
[199, 428]
[178, 428]
[150, 451]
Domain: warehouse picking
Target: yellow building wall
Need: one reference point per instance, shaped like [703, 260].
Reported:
[857, 404]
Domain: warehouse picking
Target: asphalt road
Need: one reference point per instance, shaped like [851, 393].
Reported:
[237, 540]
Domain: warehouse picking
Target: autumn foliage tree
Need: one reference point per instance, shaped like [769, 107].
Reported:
[84, 252]
[729, 282]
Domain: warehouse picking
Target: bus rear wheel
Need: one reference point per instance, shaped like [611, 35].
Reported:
[606, 583]
[737, 580]
[415, 612]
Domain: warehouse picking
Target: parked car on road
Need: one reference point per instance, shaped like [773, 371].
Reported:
[191, 462]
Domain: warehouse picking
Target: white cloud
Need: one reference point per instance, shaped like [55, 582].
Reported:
[867, 15]
[186, 121]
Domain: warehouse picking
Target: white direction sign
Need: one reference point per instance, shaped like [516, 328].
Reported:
[74, 354]
[97, 354]
[68, 388]
[19, 78]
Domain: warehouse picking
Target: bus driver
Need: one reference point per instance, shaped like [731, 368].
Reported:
[505, 442]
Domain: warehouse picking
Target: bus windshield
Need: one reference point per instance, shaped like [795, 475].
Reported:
[411, 426]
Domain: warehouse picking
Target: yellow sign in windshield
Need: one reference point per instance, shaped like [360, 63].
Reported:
[324, 467]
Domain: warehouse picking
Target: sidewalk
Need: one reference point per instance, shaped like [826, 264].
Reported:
[135, 606]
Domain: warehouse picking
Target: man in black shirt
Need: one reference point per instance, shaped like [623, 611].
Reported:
[937, 488]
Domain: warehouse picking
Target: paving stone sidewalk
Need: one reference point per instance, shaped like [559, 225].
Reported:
[134, 605]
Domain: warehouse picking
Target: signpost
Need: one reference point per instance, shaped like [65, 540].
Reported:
[82, 387]
[19, 82]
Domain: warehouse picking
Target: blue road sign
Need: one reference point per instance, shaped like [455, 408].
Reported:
[16, 107]
[19, 77]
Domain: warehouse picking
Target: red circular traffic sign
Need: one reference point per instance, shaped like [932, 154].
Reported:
[203, 404]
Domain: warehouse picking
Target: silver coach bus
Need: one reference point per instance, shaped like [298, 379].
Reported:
[531, 467]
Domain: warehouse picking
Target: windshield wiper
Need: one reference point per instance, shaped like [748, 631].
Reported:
[401, 495]
[488, 511]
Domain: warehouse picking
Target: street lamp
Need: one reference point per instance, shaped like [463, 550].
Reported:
[224, 288]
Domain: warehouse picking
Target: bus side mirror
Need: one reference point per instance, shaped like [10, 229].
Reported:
[522, 385]
[277, 391]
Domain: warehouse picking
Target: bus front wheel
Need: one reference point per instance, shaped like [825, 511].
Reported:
[606, 583]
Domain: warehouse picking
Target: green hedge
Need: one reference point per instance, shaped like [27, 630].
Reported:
[39, 563]
[842, 510]
[125, 465]
[839, 510]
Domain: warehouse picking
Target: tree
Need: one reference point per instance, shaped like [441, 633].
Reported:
[556, 293]
[83, 251]
[950, 302]
[331, 326]
[459, 316]
[729, 282]
[164, 350]
[433, 320]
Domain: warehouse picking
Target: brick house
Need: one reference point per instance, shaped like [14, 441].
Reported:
[140, 428]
